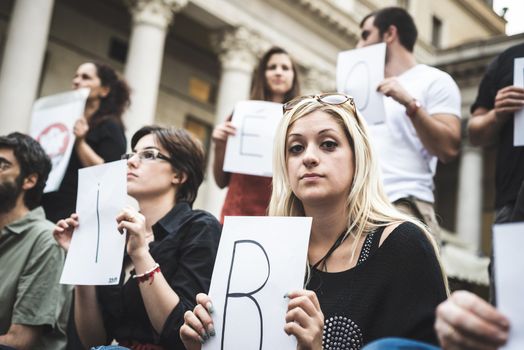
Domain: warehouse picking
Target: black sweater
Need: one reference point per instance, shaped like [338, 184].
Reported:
[392, 292]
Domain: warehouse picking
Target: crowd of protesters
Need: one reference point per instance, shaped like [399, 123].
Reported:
[374, 277]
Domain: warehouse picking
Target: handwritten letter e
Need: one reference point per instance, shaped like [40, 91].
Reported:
[231, 294]
[247, 149]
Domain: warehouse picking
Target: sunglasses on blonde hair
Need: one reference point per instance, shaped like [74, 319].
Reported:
[332, 98]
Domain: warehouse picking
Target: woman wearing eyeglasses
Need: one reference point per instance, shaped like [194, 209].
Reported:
[274, 80]
[99, 133]
[373, 272]
[170, 248]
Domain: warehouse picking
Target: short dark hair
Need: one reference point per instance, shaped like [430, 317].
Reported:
[398, 17]
[186, 153]
[32, 159]
[260, 88]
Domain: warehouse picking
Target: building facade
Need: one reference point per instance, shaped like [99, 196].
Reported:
[189, 61]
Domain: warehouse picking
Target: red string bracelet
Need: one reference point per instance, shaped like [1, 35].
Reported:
[148, 274]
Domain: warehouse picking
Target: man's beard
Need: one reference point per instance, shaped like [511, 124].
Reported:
[9, 192]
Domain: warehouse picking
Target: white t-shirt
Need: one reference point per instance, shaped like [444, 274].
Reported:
[407, 167]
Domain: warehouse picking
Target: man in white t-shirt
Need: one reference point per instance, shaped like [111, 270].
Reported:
[422, 115]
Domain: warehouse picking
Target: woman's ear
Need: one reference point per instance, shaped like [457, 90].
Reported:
[179, 178]
[104, 91]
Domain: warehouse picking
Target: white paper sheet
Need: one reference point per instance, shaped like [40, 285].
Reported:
[250, 151]
[52, 121]
[259, 259]
[97, 248]
[508, 240]
[359, 72]
[518, 80]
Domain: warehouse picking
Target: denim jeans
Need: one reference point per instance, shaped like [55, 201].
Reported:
[398, 344]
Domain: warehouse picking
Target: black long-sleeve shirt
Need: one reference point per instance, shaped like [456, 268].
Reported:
[392, 292]
[185, 247]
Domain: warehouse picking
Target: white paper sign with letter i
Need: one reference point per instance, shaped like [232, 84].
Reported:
[518, 80]
[508, 240]
[259, 260]
[250, 151]
[52, 122]
[97, 248]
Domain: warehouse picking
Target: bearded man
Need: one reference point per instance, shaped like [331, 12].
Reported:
[33, 305]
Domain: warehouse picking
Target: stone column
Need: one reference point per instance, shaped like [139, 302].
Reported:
[238, 50]
[469, 206]
[22, 62]
[151, 19]
[317, 81]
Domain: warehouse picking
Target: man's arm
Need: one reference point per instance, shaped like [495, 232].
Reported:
[21, 337]
[439, 133]
[484, 125]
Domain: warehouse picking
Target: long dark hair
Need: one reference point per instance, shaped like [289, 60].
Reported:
[259, 87]
[117, 100]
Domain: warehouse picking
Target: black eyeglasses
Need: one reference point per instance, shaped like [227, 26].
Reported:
[328, 98]
[147, 155]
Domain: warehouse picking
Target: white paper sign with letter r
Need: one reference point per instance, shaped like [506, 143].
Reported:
[259, 260]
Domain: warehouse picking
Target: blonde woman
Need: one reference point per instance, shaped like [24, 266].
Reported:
[373, 271]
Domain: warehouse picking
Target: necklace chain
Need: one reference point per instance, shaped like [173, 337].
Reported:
[322, 262]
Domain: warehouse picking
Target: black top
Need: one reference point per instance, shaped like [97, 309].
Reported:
[510, 160]
[391, 292]
[185, 246]
[108, 140]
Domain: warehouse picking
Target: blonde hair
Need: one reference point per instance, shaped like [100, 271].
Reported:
[367, 206]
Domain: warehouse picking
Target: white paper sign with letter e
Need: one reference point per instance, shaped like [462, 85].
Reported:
[52, 121]
[250, 151]
[518, 80]
[259, 260]
[97, 248]
[359, 72]
[508, 240]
